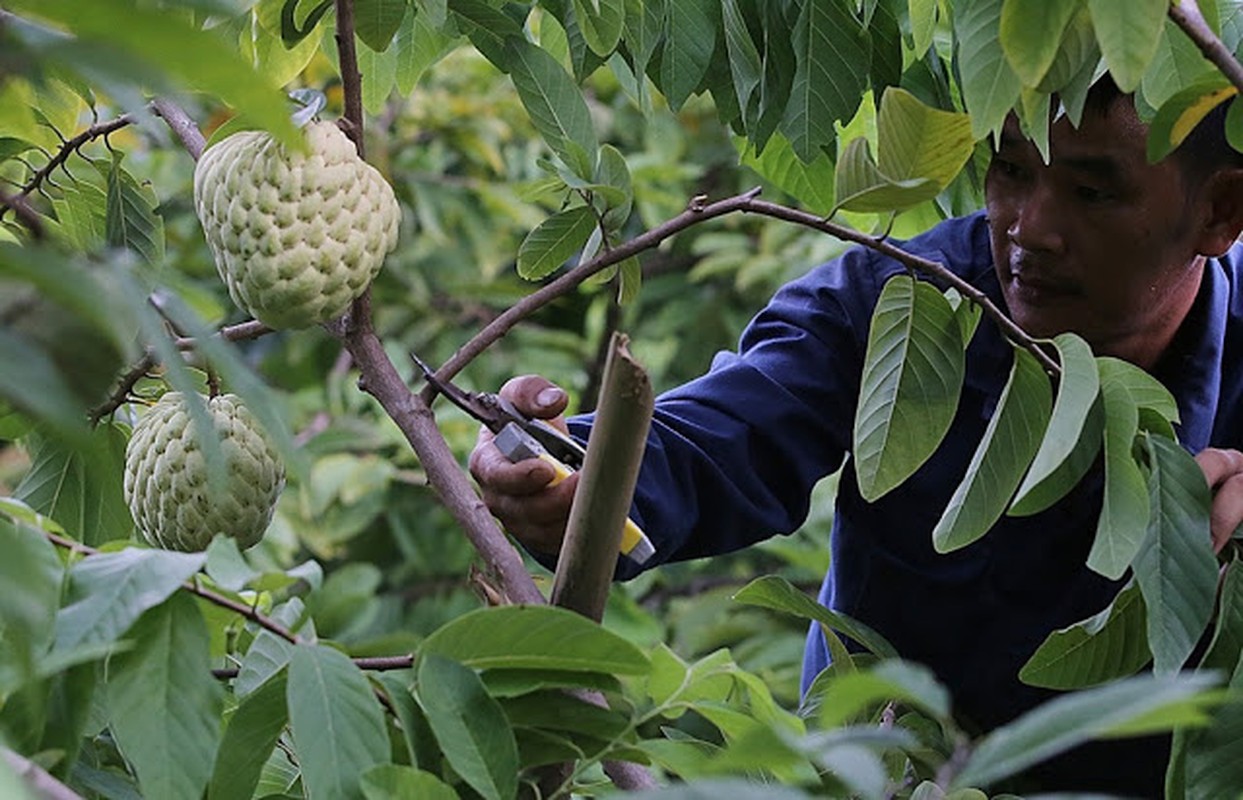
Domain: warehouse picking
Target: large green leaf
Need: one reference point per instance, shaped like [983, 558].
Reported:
[337, 723]
[376, 21]
[912, 376]
[1076, 394]
[923, 19]
[745, 62]
[915, 140]
[1031, 32]
[1226, 646]
[775, 592]
[534, 637]
[860, 186]
[199, 59]
[418, 46]
[1067, 475]
[601, 23]
[164, 704]
[1110, 644]
[555, 104]
[81, 487]
[31, 574]
[1179, 114]
[832, 52]
[689, 42]
[388, 781]
[1214, 755]
[1175, 567]
[30, 382]
[990, 86]
[809, 183]
[1128, 32]
[1125, 508]
[131, 220]
[1143, 704]
[253, 731]
[470, 726]
[554, 241]
[1178, 64]
[108, 592]
[1000, 459]
[890, 680]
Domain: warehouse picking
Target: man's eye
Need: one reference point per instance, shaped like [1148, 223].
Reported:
[1093, 194]
[1007, 169]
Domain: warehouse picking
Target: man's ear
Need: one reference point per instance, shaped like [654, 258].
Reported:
[1223, 221]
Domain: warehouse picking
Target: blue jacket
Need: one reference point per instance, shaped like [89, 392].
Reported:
[733, 455]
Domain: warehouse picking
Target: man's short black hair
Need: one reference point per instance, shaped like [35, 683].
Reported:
[1205, 150]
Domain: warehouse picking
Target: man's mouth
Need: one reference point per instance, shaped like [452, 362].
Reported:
[1034, 282]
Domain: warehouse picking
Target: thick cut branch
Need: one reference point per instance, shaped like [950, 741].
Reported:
[606, 485]
[182, 126]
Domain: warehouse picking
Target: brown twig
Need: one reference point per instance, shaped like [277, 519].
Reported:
[68, 147]
[1187, 16]
[371, 663]
[214, 598]
[182, 125]
[24, 213]
[351, 80]
[698, 212]
[250, 329]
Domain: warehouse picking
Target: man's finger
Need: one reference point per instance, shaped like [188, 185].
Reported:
[1218, 465]
[1227, 511]
[536, 396]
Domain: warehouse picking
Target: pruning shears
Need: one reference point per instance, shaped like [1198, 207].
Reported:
[520, 437]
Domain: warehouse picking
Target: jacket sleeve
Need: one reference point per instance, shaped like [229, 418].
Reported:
[733, 455]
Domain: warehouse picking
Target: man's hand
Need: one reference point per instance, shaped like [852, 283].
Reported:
[1223, 469]
[518, 494]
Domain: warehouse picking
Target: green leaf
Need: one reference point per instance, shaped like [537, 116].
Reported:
[1108, 645]
[376, 21]
[388, 781]
[1031, 32]
[601, 23]
[689, 43]
[379, 71]
[1178, 64]
[923, 18]
[915, 140]
[1128, 32]
[1125, 508]
[197, 58]
[554, 241]
[337, 723]
[1178, 115]
[81, 487]
[1214, 754]
[291, 34]
[833, 54]
[534, 637]
[1077, 392]
[82, 210]
[1227, 644]
[1009, 442]
[31, 574]
[555, 104]
[164, 704]
[1070, 720]
[860, 186]
[775, 592]
[30, 381]
[745, 62]
[419, 45]
[892, 679]
[1175, 567]
[811, 184]
[470, 726]
[253, 730]
[990, 87]
[269, 653]
[912, 377]
[108, 592]
[262, 46]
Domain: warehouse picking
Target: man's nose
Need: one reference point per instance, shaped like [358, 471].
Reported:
[1037, 224]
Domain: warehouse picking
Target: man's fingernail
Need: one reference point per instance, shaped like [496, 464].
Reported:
[549, 397]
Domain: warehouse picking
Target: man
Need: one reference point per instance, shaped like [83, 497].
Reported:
[1135, 257]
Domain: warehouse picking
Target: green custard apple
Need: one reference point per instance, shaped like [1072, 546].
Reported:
[174, 505]
[296, 236]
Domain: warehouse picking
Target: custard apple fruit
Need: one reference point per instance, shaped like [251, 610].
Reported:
[296, 236]
[166, 476]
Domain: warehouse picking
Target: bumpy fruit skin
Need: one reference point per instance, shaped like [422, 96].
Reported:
[296, 236]
[166, 477]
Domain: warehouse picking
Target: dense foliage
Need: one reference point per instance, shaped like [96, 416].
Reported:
[365, 647]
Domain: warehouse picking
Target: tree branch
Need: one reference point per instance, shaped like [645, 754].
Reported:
[351, 80]
[24, 213]
[68, 147]
[37, 779]
[696, 213]
[372, 663]
[182, 125]
[1187, 16]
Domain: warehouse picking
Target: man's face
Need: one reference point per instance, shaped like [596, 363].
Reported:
[1099, 241]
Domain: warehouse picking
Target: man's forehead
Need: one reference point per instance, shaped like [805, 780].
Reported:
[1106, 141]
